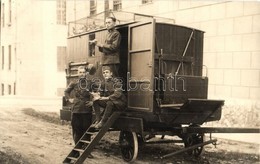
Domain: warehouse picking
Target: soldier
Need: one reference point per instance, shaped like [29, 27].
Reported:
[110, 49]
[112, 97]
[81, 118]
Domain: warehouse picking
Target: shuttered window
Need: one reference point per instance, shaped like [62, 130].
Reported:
[61, 58]
[10, 13]
[9, 57]
[146, 1]
[61, 12]
[3, 15]
[93, 7]
[3, 57]
[117, 5]
[2, 89]
[9, 89]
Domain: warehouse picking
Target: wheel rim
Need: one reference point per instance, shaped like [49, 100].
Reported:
[194, 139]
[129, 145]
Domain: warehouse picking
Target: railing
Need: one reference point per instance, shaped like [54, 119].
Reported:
[97, 21]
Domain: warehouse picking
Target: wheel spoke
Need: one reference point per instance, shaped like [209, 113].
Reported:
[193, 139]
[129, 145]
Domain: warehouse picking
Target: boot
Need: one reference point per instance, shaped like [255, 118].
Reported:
[100, 124]
[107, 114]
[97, 113]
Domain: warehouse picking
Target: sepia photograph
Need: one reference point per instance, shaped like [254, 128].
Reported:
[130, 81]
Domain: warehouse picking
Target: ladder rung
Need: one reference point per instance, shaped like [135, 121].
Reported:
[91, 133]
[89, 145]
[84, 141]
[72, 158]
[79, 150]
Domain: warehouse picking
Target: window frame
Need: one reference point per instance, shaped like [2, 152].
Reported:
[9, 89]
[61, 58]
[92, 7]
[10, 13]
[3, 58]
[146, 1]
[3, 89]
[61, 8]
[9, 57]
[3, 15]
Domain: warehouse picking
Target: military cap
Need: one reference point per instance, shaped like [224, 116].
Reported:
[106, 68]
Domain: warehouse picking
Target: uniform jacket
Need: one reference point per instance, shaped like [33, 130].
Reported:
[112, 88]
[110, 49]
[81, 90]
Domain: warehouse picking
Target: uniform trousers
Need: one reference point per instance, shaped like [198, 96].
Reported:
[80, 122]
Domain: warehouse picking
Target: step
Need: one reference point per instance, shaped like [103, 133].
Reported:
[79, 150]
[72, 158]
[85, 141]
[91, 133]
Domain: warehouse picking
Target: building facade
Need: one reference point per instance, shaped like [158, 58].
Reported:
[33, 47]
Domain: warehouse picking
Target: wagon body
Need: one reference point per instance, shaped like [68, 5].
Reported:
[161, 69]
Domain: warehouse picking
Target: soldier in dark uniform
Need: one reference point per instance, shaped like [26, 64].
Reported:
[112, 97]
[81, 118]
[110, 49]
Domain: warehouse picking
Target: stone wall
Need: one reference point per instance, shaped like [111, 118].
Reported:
[239, 113]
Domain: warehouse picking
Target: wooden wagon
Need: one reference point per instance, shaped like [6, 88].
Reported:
[162, 72]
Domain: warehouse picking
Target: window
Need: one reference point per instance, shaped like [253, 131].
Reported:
[93, 7]
[9, 89]
[3, 57]
[61, 12]
[61, 58]
[3, 89]
[14, 88]
[91, 46]
[117, 5]
[3, 15]
[10, 57]
[10, 12]
[146, 1]
[106, 9]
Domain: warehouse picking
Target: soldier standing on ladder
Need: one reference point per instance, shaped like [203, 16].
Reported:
[81, 117]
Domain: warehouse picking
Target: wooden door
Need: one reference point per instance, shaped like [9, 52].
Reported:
[140, 81]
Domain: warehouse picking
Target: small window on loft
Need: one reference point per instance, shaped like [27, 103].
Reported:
[117, 5]
[146, 1]
[91, 45]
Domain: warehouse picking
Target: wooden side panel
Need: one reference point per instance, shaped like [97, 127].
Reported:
[141, 37]
[139, 67]
[173, 40]
[77, 49]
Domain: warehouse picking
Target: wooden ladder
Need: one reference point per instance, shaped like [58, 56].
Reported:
[83, 148]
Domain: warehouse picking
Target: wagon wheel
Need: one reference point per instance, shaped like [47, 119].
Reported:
[193, 139]
[129, 145]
